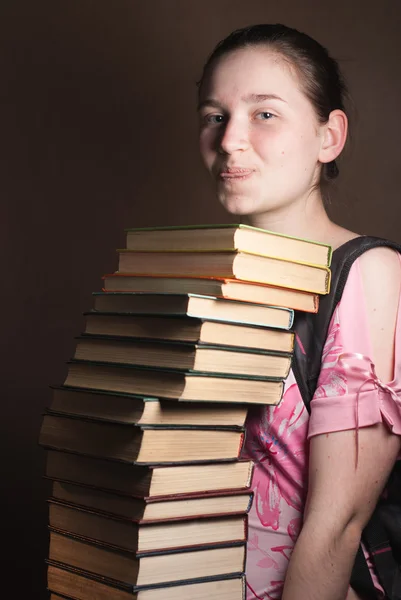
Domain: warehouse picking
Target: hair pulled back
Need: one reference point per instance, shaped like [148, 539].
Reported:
[319, 74]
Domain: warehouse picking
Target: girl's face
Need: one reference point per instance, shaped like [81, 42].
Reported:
[260, 138]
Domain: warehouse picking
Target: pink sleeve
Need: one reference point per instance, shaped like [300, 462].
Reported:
[347, 394]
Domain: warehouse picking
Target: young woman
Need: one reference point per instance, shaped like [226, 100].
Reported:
[272, 124]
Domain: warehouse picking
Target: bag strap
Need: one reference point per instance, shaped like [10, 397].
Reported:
[311, 329]
[310, 336]
[377, 541]
[382, 535]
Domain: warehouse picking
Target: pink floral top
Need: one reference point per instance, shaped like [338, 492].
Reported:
[277, 439]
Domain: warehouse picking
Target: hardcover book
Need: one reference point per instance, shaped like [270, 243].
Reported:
[234, 265]
[84, 588]
[139, 445]
[185, 356]
[182, 386]
[188, 329]
[144, 511]
[226, 237]
[229, 289]
[146, 538]
[151, 483]
[191, 305]
[133, 409]
[157, 572]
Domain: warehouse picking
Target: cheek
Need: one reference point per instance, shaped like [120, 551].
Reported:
[297, 148]
[206, 144]
[307, 140]
[275, 148]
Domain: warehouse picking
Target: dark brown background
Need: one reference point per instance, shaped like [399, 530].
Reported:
[98, 133]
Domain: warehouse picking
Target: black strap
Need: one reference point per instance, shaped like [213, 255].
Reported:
[361, 580]
[311, 332]
[377, 541]
[311, 329]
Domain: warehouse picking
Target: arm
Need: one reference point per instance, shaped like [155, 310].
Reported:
[342, 496]
[340, 501]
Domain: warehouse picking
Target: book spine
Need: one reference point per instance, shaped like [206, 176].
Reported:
[246, 527]
[248, 508]
[250, 474]
[241, 444]
[243, 588]
[328, 281]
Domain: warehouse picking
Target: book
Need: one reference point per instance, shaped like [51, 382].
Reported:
[143, 511]
[139, 445]
[142, 410]
[146, 538]
[182, 386]
[188, 329]
[191, 305]
[185, 356]
[234, 265]
[232, 236]
[159, 482]
[229, 289]
[84, 588]
[145, 572]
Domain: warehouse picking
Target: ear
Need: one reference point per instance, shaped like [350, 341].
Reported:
[334, 136]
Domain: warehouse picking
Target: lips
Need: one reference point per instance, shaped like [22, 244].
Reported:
[235, 173]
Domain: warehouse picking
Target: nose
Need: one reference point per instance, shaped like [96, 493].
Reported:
[234, 136]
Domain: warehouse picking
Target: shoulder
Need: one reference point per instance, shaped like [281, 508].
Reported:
[380, 270]
[381, 274]
[380, 261]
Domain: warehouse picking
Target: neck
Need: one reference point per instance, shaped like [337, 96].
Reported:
[306, 218]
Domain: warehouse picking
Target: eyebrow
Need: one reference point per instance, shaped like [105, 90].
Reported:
[260, 98]
[248, 99]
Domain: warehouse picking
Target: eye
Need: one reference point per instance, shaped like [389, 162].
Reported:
[215, 119]
[265, 116]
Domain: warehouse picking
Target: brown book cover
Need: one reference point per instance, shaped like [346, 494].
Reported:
[173, 384]
[228, 588]
[125, 571]
[139, 445]
[134, 409]
[151, 483]
[146, 538]
[146, 511]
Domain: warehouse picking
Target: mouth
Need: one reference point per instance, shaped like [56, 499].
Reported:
[235, 174]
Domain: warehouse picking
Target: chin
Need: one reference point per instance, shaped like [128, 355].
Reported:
[239, 205]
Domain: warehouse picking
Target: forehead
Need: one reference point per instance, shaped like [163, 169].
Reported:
[255, 70]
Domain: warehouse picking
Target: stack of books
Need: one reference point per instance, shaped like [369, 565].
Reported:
[149, 492]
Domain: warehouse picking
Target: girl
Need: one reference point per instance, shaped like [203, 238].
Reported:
[272, 124]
